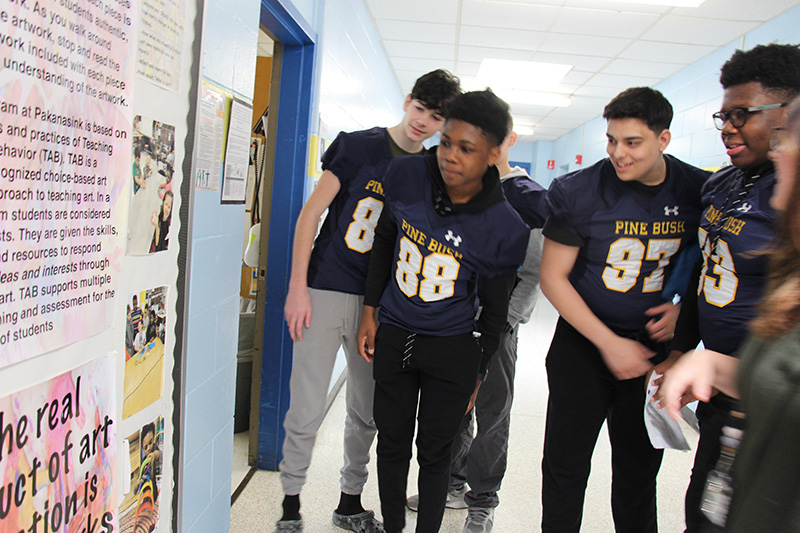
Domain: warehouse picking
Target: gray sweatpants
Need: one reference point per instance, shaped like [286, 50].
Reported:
[481, 461]
[335, 318]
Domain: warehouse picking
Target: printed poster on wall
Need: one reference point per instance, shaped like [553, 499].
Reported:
[65, 128]
[237, 153]
[210, 137]
[158, 58]
[58, 453]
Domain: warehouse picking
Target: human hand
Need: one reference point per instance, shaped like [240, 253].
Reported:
[661, 327]
[626, 358]
[474, 397]
[690, 378]
[154, 218]
[365, 338]
[297, 311]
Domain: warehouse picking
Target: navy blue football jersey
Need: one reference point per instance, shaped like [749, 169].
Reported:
[732, 280]
[340, 256]
[438, 258]
[626, 236]
[527, 197]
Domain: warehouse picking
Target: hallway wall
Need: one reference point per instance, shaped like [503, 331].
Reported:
[230, 40]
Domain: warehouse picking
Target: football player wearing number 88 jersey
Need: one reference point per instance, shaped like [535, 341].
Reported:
[328, 281]
[613, 230]
[445, 224]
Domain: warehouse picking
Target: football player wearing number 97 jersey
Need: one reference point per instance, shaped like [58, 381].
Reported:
[329, 282]
[445, 226]
[613, 230]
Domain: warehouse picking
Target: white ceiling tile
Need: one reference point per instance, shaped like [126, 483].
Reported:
[467, 69]
[475, 54]
[578, 62]
[421, 50]
[596, 91]
[682, 54]
[399, 30]
[570, 43]
[611, 5]
[500, 37]
[413, 10]
[508, 15]
[526, 119]
[623, 82]
[652, 69]
[737, 9]
[714, 32]
[577, 77]
[421, 65]
[604, 23]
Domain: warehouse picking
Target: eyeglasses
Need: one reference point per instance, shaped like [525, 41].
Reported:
[738, 115]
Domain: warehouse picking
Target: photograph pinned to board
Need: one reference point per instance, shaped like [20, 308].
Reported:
[152, 198]
[145, 335]
[139, 511]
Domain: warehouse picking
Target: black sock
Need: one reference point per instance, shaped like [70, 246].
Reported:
[291, 507]
[349, 504]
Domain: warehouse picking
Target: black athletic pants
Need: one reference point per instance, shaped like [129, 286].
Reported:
[438, 374]
[584, 394]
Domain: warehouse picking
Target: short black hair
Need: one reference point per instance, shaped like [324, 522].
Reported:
[775, 66]
[436, 89]
[150, 427]
[484, 110]
[644, 103]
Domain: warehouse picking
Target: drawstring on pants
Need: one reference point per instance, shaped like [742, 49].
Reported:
[408, 349]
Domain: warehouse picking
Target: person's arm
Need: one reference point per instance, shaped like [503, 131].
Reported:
[523, 297]
[687, 331]
[698, 372]
[494, 296]
[137, 177]
[625, 358]
[378, 274]
[298, 303]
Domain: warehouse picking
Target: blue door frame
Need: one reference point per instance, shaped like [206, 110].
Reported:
[282, 20]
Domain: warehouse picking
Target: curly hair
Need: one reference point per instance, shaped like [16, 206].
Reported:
[643, 103]
[484, 110]
[779, 311]
[436, 89]
[775, 66]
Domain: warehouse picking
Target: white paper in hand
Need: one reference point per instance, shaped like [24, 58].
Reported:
[664, 432]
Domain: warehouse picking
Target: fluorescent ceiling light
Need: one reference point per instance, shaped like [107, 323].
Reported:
[516, 96]
[529, 75]
[523, 130]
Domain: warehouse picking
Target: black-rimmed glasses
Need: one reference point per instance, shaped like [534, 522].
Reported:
[738, 115]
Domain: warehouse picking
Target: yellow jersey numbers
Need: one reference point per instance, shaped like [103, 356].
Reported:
[624, 263]
[439, 272]
[361, 231]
